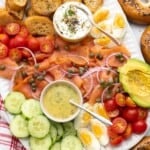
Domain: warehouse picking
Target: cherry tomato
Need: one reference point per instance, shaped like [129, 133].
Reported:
[139, 126]
[15, 54]
[4, 38]
[114, 113]
[142, 113]
[130, 102]
[3, 50]
[33, 44]
[111, 133]
[130, 114]
[25, 54]
[120, 99]
[23, 32]
[47, 47]
[19, 41]
[119, 125]
[117, 140]
[12, 28]
[110, 105]
[128, 132]
[1, 29]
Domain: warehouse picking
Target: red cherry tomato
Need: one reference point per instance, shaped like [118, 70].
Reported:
[119, 125]
[111, 133]
[116, 141]
[33, 44]
[47, 47]
[142, 113]
[4, 38]
[3, 50]
[128, 132]
[130, 114]
[23, 32]
[1, 29]
[12, 28]
[110, 105]
[15, 54]
[120, 99]
[17, 41]
[139, 126]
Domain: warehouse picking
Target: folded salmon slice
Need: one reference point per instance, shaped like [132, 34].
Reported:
[9, 68]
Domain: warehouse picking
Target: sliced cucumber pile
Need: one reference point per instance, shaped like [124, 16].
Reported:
[44, 134]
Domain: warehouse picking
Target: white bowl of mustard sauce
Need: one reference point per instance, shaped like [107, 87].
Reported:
[70, 22]
[55, 99]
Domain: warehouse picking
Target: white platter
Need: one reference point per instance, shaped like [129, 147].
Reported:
[133, 46]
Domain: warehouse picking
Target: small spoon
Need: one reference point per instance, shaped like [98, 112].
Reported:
[98, 117]
[93, 23]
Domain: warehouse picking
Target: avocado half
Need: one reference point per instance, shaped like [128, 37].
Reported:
[135, 79]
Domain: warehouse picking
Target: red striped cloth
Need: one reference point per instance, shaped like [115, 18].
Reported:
[7, 141]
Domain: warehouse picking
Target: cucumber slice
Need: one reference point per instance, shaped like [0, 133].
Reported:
[31, 108]
[71, 143]
[19, 127]
[56, 146]
[53, 133]
[59, 129]
[39, 126]
[40, 144]
[13, 102]
[69, 129]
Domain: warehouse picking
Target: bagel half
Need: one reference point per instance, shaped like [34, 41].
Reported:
[145, 44]
[136, 10]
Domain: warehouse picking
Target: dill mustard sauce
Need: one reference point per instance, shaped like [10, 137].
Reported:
[71, 21]
[56, 100]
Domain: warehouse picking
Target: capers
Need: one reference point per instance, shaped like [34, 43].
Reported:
[81, 70]
[2, 67]
[40, 77]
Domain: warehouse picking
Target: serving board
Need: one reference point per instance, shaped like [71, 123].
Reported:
[131, 43]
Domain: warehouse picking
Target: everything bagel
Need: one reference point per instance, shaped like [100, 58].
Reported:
[136, 10]
[145, 44]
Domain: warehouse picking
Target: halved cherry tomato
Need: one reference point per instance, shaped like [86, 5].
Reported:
[142, 113]
[113, 113]
[117, 140]
[110, 105]
[120, 99]
[25, 54]
[12, 28]
[23, 32]
[139, 126]
[33, 44]
[3, 50]
[111, 133]
[119, 125]
[128, 132]
[130, 114]
[15, 54]
[130, 102]
[4, 38]
[47, 47]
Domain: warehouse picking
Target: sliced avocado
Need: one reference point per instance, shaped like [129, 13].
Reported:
[135, 79]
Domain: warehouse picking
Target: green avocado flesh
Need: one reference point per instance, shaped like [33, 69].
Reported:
[135, 78]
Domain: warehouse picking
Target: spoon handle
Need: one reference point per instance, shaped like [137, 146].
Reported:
[98, 117]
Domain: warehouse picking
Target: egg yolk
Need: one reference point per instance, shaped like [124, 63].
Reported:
[86, 117]
[100, 15]
[102, 41]
[101, 111]
[97, 130]
[85, 138]
[119, 21]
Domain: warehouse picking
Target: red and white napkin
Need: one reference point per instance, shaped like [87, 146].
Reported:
[7, 141]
